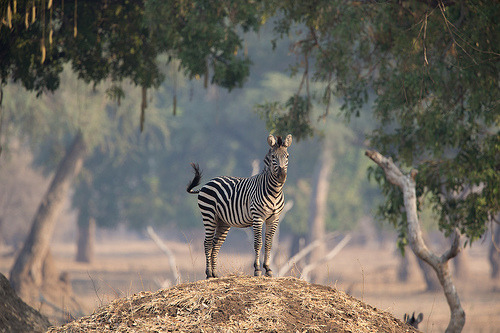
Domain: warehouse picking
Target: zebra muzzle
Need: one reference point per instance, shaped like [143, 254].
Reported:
[281, 174]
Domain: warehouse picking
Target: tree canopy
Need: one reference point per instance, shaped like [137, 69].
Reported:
[429, 71]
[121, 41]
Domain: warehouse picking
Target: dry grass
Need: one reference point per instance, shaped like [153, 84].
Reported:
[239, 303]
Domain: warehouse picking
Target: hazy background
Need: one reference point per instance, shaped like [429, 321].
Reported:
[140, 181]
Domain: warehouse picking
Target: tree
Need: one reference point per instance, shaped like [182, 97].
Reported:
[429, 70]
[439, 263]
[318, 204]
[102, 41]
[27, 272]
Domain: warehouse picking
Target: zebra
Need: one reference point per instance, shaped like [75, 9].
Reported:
[227, 202]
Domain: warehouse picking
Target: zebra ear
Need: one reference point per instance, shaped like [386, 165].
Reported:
[288, 141]
[271, 140]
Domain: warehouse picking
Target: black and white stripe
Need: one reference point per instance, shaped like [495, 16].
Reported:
[227, 202]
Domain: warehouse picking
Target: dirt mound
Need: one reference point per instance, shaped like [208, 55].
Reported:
[17, 316]
[239, 303]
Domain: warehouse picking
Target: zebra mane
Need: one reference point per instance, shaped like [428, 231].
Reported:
[280, 141]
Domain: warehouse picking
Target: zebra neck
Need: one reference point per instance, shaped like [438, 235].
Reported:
[270, 182]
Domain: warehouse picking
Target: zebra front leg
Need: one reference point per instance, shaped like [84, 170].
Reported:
[270, 230]
[257, 245]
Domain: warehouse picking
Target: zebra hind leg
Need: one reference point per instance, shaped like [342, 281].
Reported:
[219, 238]
[208, 256]
[208, 244]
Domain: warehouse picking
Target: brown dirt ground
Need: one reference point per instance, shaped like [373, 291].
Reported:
[236, 304]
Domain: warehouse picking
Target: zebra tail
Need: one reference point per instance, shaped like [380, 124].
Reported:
[196, 180]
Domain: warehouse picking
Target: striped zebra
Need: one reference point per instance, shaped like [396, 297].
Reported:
[227, 202]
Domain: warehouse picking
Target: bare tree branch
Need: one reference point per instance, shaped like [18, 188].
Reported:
[301, 254]
[171, 258]
[336, 250]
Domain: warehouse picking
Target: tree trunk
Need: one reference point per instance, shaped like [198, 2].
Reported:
[86, 240]
[494, 252]
[318, 205]
[440, 264]
[26, 276]
[430, 278]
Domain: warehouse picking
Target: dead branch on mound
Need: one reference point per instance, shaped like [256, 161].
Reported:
[336, 250]
[170, 255]
[304, 252]
[440, 264]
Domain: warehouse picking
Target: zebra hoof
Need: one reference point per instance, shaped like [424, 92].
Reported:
[257, 272]
[269, 273]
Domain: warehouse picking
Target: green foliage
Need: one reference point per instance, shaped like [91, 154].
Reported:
[121, 41]
[290, 117]
[203, 35]
[100, 39]
[49, 122]
[432, 72]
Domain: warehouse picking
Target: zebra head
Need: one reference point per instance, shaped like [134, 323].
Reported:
[277, 157]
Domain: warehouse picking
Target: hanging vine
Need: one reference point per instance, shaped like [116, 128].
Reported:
[30, 17]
